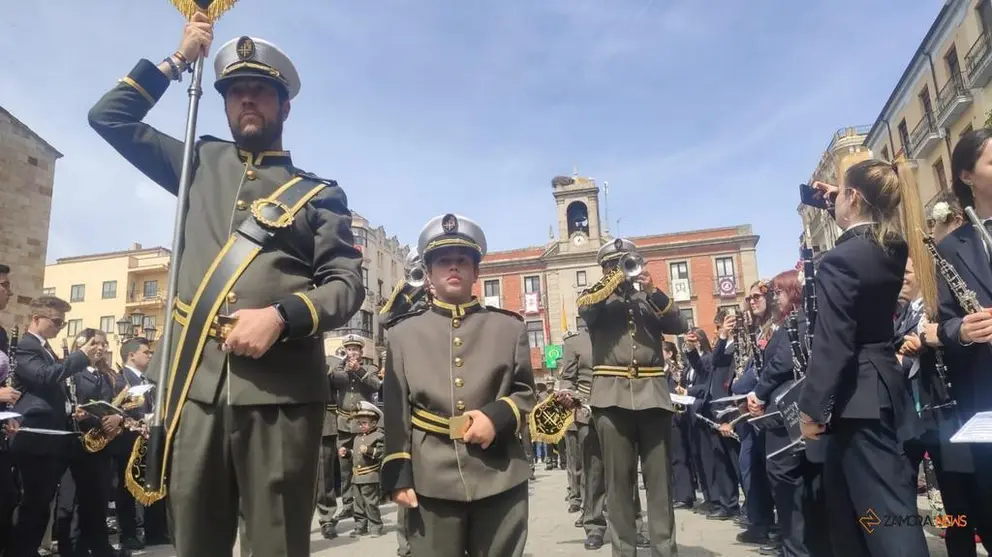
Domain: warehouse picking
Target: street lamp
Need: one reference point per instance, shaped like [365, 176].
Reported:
[149, 333]
[124, 327]
[137, 320]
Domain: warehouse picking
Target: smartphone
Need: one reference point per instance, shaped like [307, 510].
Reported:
[809, 196]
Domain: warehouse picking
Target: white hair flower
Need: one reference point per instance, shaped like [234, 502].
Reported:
[941, 212]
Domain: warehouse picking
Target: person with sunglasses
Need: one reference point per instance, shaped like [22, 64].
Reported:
[43, 459]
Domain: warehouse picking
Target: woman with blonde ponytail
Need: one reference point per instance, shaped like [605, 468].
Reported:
[855, 390]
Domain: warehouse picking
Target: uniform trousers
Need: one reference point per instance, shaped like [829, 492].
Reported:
[718, 471]
[573, 459]
[402, 540]
[41, 476]
[683, 486]
[817, 530]
[327, 497]
[866, 470]
[700, 449]
[593, 481]
[758, 496]
[124, 503]
[9, 496]
[785, 476]
[259, 462]
[367, 496]
[346, 440]
[625, 436]
[490, 527]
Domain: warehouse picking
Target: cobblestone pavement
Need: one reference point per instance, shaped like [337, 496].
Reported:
[552, 532]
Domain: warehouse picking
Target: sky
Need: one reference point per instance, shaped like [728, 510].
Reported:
[698, 114]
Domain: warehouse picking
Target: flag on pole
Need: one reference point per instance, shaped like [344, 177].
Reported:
[564, 317]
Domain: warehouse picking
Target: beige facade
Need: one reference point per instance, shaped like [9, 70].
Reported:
[944, 92]
[105, 287]
[846, 148]
[27, 178]
[382, 269]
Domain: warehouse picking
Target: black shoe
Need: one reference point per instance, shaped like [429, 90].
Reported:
[643, 542]
[593, 542]
[771, 549]
[720, 514]
[132, 544]
[359, 532]
[329, 530]
[574, 508]
[579, 523]
[682, 505]
[752, 537]
[774, 536]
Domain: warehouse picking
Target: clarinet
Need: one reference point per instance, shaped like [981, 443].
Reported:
[809, 295]
[740, 358]
[798, 355]
[755, 350]
[10, 381]
[968, 301]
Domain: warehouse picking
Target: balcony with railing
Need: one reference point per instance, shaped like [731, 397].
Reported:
[978, 61]
[924, 137]
[952, 100]
[729, 286]
[531, 303]
[137, 300]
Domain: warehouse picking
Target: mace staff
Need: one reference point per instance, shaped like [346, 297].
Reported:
[156, 431]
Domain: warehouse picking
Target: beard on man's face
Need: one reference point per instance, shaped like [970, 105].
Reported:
[258, 134]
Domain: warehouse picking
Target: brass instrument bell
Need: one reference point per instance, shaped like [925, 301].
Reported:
[632, 264]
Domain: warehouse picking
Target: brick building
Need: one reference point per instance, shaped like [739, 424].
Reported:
[27, 177]
[702, 269]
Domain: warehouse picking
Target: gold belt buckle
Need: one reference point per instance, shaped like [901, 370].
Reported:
[634, 371]
[225, 325]
[457, 426]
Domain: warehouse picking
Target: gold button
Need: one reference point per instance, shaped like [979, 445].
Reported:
[241, 205]
[458, 362]
[634, 362]
[456, 323]
[232, 298]
[251, 174]
[459, 382]
[458, 341]
[460, 405]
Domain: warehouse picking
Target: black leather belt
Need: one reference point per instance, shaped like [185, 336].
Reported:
[259, 231]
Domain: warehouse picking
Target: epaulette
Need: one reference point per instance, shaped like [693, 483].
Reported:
[313, 176]
[506, 312]
[393, 321]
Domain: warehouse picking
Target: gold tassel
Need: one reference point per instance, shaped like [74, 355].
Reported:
[190, 7]
[602, 289]
[555, 421]
[134, 472]
[392, 298]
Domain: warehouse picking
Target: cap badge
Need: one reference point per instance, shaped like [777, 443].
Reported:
[246, 48]
[449, 224]
[618, 244]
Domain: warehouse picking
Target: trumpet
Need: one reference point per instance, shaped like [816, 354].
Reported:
[416, 276]
[632, 264]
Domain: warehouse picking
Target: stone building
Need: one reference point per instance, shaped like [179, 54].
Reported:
[27, 177]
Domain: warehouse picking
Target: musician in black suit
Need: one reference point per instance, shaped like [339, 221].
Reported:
[966, 334]
[42, 459]
[854, 383]
[680, 452]
[720, 456]
[6, 292]
[785, 470]
[8, 396]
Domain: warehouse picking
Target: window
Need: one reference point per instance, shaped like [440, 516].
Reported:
[107, 323]
[904, 135]
[380, 288]
[73, 327]
[687, 313]
[725, 267]
[77, 293]
[149, 289]
[580, 278]
[532, 285]
[535, 334]
[33, 161]
[925, 103]
[885, 154]
[109, 289]
[365, 277]
[679, 270]
[366, 323]
[48, 291]
[148, 322]
[940, 175]
[953, 64]
[491, 289]
[361, 236]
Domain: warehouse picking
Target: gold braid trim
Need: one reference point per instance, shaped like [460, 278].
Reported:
[135, 475]
[602, 289]
[216, 9]
[392, 298]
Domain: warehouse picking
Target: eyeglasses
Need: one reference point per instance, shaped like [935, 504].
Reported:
[57, 322]
[755, 297]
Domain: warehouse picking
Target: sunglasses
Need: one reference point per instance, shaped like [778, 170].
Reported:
[755, 297]
[57, 322]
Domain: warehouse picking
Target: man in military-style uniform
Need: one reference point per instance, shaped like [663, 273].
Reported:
[631, 404]
[408, 296]
[353, 382]
[576, 377]
[327, 496]
[453, 457]
[256, 289]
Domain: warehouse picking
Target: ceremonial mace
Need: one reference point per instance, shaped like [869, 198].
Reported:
[156, 435]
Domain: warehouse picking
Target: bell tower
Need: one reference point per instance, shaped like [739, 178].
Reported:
[577, 201]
